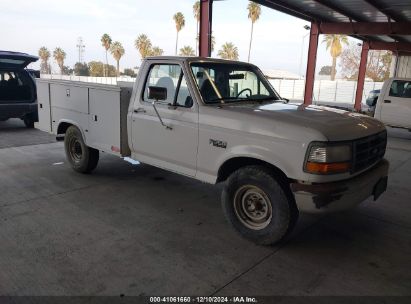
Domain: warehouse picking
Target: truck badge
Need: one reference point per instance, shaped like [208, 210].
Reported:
[218, 143]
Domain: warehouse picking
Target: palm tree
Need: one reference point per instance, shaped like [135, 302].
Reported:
[228, 51]
[117, 51]
[334, 43]
[106, 43]
[44, 55]
[180, 23]
[187, 51]
[59, 55]
[143, 45]
[196, 12]
[254, 12]
[156, 51]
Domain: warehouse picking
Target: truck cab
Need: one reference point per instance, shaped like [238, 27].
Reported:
[393, 106]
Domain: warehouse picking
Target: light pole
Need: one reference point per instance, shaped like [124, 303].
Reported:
[306, 27]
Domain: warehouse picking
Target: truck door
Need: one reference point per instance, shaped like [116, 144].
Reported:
[172, 148]
[396, 105]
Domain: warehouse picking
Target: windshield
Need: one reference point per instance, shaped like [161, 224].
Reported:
[223, 83]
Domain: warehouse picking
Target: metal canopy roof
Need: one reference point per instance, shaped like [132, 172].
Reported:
[355, 11]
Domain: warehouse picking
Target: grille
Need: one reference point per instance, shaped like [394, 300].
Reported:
[369, 150]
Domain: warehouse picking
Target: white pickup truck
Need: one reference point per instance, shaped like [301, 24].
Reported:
[221, 121]
[392, 105]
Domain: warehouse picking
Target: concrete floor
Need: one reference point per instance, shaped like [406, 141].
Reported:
[137, 230]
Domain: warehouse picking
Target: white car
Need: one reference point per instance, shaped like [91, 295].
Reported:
[221, 121]
[393, 106]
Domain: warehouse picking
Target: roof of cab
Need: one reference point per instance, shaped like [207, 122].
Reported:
[196, 59]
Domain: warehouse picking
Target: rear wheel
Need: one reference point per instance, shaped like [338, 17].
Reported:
[258, 205]
[81, 157]
[29, 121]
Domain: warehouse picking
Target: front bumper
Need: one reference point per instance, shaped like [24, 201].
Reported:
[338, 196]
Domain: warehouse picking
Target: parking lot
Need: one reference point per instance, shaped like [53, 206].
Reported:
[138, 230]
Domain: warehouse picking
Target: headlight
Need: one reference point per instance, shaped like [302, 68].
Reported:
[328, 159]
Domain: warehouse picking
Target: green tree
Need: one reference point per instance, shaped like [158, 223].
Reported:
[254, 12]
[106, 43]
[99, 69]
[117, 51]
[228, 51]
[325, 70]
[44, 55]
[59, 55]
[187, 51]
[129, 72]
[196, 12]
[143, 45]
[67, 70]
[180, 23]
[81, 69]
[378, 63]
[334, 44]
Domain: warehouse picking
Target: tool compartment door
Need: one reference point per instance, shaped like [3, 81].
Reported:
[104, 120]
[43, 104]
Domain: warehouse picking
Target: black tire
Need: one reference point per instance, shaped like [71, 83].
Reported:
[29, 122]
[259, 205]
[81, 157]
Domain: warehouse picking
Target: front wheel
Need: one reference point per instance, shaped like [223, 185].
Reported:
[81, 157]
[258, 205]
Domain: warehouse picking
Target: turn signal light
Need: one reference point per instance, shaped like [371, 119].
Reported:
[327, 168]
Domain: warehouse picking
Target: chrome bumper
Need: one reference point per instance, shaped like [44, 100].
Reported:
[338, 196]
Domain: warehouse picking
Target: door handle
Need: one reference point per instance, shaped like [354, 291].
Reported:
[140, 110]
[387, 101]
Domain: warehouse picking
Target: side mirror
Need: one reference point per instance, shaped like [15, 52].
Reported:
[286, 100]
[189, 102]
[371, 101]
[157, 93]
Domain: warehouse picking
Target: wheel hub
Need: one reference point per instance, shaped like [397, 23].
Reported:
[76, 151]
[252, 207]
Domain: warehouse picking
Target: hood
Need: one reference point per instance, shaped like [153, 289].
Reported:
[334, 124]
[15, 60]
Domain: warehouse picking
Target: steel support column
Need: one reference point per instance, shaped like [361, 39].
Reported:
[311, 62]
[206, 12]
[361, 76]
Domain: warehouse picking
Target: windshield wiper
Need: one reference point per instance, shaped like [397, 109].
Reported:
[225, 98]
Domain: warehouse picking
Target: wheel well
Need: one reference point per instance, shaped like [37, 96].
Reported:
[236, 163]
[62, 128]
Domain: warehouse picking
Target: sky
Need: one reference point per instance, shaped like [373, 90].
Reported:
[29, 25]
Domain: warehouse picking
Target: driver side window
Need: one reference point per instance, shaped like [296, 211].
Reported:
[171, 77]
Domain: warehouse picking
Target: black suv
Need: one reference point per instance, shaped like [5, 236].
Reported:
[17, 88]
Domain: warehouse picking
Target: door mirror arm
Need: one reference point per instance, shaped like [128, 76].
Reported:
[159, 117]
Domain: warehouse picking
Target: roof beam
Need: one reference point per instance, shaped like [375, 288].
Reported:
[286, 8]
[366, 28]
[390, 46]
[339, 10]
[378, 6]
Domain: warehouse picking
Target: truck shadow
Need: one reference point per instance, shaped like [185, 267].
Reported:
[13, 133]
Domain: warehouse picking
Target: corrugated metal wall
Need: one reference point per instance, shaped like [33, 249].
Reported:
[404, 67]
